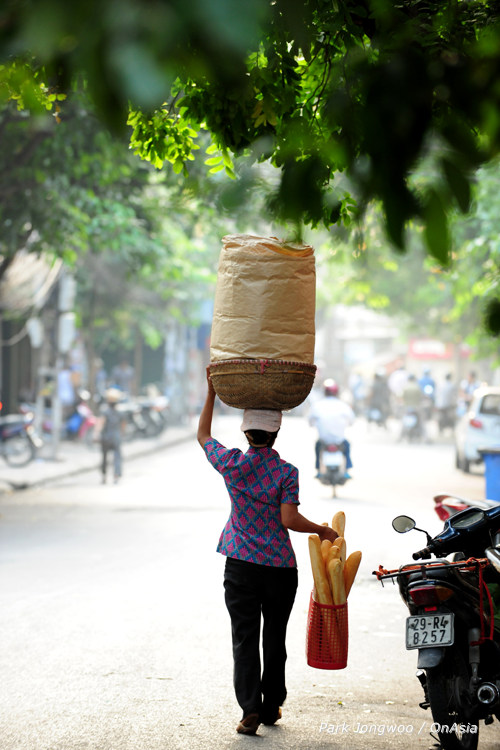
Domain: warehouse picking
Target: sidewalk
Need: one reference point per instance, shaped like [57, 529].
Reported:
[74, 458]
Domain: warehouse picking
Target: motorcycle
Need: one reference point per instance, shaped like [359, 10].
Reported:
[134, 423]
[376, 416]
[82, 423]
[332, 465]
[447, 505]
[446, 418]
[411, 425]
[154, 413]
[452, 623]
[19, 441]
[428, 402]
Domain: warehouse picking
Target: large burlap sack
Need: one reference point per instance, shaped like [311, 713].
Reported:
[264, 301]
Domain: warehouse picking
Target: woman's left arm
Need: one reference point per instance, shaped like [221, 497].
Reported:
[295, 521]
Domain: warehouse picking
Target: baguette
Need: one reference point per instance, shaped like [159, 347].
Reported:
[350, 569]
[326, 545]
[322, 589]
[333, 553]
[338, 522]
[340, 543]
[336, 578]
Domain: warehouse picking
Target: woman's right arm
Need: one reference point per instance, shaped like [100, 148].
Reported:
[205, 421]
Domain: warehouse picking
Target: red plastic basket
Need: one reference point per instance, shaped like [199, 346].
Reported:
[327, 637]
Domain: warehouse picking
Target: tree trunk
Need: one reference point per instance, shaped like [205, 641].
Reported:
[137, 363]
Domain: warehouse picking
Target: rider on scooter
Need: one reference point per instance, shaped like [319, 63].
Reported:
[331, 416]
[412, 398]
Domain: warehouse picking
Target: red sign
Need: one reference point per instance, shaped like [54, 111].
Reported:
[429, 349]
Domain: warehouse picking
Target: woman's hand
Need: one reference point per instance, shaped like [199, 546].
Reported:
[295, 521]
[211, 389]
[327, 533]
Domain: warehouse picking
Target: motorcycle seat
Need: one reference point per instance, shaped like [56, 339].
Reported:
[12, 419]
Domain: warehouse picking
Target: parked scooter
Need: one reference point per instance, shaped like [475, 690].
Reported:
[452, 622]
[332, 465]
[447, 505]
[19, 441]
[154, 412]
[82, 423]
[134, 423]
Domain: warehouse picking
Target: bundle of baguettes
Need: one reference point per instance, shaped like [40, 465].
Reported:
[333, 572]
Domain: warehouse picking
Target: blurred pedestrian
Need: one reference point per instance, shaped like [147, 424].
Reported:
[427, 382]
[379, 405]
[397, 381]
[413, 422]
[358, 389]
[66, 390]
[468, 386]
[111, 434]
[446, 403]
[412, 393]
[100, 380]
[428, 387]
[122, 377]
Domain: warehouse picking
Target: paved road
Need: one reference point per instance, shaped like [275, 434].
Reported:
[113, 629]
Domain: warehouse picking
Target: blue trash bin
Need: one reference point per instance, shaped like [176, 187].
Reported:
[491, 457]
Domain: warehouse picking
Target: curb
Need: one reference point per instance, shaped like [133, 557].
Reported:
[69, 469]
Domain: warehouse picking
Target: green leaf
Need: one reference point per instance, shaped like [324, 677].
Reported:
[436, 228]
[492, 317]
[214, 160]
[458, 183]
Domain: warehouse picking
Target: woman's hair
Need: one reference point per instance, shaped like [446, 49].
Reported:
[261, 438]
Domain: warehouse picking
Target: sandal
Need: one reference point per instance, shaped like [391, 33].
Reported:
[271, 717]
[249, 724]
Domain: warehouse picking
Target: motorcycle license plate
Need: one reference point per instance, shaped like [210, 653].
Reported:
[332, 459]
[429, 631]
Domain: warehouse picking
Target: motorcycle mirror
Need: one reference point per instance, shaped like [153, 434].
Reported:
[402, 524]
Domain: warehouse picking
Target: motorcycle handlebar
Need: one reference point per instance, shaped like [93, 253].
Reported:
[422, 554]
[475, 523]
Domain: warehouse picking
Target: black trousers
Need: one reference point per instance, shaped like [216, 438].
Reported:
[254, 592]
[114, 448]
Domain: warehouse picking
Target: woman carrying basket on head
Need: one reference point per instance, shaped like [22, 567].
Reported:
[260, 578]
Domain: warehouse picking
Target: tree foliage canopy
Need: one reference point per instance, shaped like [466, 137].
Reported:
[346, 99]
[343, 97]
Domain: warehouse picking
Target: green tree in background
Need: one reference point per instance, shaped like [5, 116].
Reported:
[317, 88]
[455, 304]
[331, 106]
[142, 244]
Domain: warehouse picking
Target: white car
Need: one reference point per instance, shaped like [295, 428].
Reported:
[478, 428]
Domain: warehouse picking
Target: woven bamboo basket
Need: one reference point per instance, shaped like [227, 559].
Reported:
[262, 383]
